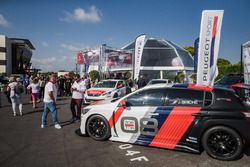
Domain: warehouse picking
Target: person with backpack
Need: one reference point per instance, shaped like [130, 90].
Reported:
[34, 86]
[16, 89]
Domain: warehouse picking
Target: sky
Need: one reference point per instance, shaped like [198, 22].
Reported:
[60, 28]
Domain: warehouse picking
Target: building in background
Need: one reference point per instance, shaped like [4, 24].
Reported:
[15, 56]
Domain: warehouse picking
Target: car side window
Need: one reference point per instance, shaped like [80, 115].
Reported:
[153, 97]
[208, 98]
[184, 97]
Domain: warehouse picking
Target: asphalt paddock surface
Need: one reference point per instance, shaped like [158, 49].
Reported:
[23, 143]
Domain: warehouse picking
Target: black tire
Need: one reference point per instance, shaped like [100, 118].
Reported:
[115, 95]
[222, 143]
[98, 128]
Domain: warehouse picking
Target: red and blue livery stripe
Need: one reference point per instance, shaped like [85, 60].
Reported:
[213, 40]
[174, 127]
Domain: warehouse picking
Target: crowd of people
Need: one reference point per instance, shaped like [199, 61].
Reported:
[47, 90]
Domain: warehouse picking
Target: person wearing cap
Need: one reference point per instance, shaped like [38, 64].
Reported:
[15, 97]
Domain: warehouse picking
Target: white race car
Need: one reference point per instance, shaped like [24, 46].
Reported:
[106, 89]
[180, 116]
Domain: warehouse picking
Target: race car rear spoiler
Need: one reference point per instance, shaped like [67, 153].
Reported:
[242, 90]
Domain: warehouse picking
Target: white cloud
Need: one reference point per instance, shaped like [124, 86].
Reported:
[3, 21]
[74, 47]
[54, 63]
[45, 44]
[92, 15]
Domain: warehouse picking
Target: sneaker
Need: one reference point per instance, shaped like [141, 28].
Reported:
[42, 126]
[57, 126]
[14, 114]
[21, 114]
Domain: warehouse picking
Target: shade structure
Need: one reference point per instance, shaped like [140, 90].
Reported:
[163, 57]
[163, 54]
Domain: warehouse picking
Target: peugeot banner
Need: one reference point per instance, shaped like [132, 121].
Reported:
[139, 45]
[246, 61]
[209, 46]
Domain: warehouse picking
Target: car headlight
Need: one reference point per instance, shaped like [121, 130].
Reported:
[85, 110]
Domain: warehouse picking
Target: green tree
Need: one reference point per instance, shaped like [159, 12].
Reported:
[190, 49]
[181, 77]
[127, 75]
[223, 62]
[71, 74]
[228, 69]
[94, 75]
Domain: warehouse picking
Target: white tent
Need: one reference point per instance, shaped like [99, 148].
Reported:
[161, 58]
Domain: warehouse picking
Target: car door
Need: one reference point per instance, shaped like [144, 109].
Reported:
[139, 119]
[181, 105]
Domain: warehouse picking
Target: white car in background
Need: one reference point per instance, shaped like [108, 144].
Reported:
[159, 81]
[106, 89]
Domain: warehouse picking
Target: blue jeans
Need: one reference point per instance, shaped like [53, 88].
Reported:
[52, 108]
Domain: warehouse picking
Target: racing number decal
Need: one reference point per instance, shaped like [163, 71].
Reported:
[148, 126]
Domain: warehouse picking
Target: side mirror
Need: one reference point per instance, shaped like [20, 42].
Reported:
[123, 104]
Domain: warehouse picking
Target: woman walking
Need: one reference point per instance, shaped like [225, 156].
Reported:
[15, 95]
[34, 86]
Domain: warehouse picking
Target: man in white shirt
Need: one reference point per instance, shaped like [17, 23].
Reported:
[78, 88]
[50, 95]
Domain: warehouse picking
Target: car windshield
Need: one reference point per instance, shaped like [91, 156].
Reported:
[105, 84]
[229, 80]
[157, 82]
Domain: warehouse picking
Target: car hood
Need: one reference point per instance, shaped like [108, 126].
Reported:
[99, 90]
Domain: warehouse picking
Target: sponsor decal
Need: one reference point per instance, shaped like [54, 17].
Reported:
[95, 91]
[192, 139]
[129, 125]
[185, 102]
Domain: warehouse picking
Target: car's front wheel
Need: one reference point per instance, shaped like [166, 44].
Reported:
[98, 128]
[222, 143]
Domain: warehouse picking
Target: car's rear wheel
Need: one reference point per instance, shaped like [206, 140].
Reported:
[222, 143]
[98, 128]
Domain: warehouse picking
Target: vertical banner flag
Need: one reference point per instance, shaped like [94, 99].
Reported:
[209, 46]
[139, 45]
[196, 48]
[246, 62]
